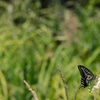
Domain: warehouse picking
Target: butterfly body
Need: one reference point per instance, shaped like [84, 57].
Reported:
[86, 76]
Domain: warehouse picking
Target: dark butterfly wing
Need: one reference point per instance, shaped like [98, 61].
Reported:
[85, 70]
[81, 71]
[83, 83]
[86, 76]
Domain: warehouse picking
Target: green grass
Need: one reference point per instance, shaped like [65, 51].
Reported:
[34, 41]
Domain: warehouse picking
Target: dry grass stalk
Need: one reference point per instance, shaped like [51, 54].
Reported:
[62, 77]
[32, 91]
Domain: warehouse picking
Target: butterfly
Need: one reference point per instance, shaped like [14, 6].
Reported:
[86, 76]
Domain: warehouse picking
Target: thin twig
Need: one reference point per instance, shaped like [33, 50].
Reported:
[66, 89]
[76, 93]
[94, 95]
[32, 91]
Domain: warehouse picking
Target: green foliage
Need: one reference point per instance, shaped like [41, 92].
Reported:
[34, 41]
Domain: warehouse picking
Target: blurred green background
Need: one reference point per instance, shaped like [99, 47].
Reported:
[38, 35]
